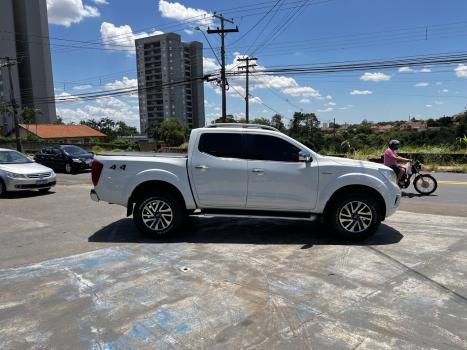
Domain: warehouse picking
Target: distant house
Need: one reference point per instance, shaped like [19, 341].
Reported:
[382, 128]
[418, 126]
[60, 133]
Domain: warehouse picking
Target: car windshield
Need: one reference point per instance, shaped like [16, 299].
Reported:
[13, 157]
[73, 150]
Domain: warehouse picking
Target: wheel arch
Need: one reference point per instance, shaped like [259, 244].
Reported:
[153, 186]
[352, 189]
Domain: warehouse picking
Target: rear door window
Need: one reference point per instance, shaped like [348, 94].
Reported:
[223, 145]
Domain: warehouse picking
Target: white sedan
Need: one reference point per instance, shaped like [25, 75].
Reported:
[19, 173]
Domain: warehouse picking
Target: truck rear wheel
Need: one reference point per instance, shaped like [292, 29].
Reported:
[353, 216]
[158, 215]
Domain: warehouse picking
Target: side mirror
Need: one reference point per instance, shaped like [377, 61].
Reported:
[304, 157]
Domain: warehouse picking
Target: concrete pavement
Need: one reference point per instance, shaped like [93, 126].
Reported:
[262, 284]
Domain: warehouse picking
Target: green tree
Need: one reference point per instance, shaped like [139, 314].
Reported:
[170, 132]
[29, 115]
[276, 122]
[304, 127]
[261, 121]
[228, 119]
[59, 120]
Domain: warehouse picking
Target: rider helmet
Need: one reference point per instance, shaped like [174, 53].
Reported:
[394, 144]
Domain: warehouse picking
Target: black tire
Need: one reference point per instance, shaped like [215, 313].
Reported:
[152, 224]
[353, 216]
[2, 189]
[69, 168]
[44, 190]
[418, 184]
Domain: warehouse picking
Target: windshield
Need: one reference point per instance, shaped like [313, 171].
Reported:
[13, 157]
[73, 150]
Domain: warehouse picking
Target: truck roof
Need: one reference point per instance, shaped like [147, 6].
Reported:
[242, 125]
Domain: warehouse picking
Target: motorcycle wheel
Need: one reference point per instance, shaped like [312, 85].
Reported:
[425, 184]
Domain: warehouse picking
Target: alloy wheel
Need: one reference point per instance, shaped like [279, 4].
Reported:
[157, 215]
[355, 216]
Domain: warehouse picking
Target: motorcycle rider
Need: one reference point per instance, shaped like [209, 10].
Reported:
[391, 158]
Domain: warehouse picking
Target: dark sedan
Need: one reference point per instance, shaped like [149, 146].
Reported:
[68, 158]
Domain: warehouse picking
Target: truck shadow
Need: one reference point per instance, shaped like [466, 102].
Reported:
[242, 231]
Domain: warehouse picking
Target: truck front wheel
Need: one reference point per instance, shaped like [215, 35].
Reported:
[353, 216]
[158, 215]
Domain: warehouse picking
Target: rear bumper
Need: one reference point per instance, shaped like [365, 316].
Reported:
[94, 196]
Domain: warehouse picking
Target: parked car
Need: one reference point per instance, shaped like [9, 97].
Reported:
[68, 158]
[19, 173]
[248, 170]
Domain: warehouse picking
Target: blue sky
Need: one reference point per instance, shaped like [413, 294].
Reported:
[321, 31]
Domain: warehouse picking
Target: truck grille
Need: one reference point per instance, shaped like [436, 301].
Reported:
[38, 176]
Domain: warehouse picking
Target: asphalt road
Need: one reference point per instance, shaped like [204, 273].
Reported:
[449, 199]
[75, 274]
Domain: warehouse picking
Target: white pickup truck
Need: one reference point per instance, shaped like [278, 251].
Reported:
[247, 170]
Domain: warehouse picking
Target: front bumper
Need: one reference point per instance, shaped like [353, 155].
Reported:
[18, 184]
[392, 197]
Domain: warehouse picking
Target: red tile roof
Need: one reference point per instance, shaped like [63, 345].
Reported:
[58, 131]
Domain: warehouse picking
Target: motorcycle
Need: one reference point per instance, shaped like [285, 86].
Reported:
[424, 184]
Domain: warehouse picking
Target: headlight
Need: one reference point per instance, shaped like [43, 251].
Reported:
[76, 160]
[389, 174]
[15, 176]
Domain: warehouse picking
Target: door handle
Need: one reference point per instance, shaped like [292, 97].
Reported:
[202, 167]
[258, 171]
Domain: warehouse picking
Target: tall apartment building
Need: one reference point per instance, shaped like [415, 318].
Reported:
[24, 38]
[163, 61]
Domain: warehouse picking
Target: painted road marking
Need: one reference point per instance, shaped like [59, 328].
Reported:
[453, 182]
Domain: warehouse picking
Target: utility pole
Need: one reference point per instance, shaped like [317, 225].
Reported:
[9, 63]
[247, 67]
[223, 31]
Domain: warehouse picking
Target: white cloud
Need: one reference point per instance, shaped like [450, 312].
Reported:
[179, 12]
[328, 97]
[439, 103]
[445, 90]
[425, 70]
[122, 84]
[461, 71]
[439, 83]
[405, 70]
[428, 106]
[188, 31]
[68, 12]
[422, 84]
[376, 77]
[361, 92]
[255, 99]
[122, 37]
[330, 104]
[101, 2]
[305, 100]
[82, 87]
[305, 91]
[105, 107]
[210, 65]
[329, 109]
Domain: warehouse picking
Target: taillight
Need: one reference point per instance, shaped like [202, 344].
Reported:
[96, 170]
